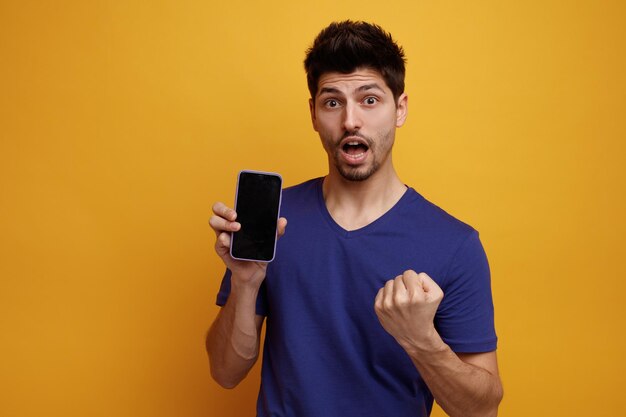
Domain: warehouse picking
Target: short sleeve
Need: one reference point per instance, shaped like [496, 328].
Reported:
[224, 292]
[465, 318]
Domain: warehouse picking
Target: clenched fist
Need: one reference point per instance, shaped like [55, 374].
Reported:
[406, 308]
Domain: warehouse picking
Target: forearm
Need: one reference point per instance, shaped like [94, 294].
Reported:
[460, 388]
[233, 339]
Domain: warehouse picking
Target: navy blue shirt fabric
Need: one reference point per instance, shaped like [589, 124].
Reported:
[325, 352]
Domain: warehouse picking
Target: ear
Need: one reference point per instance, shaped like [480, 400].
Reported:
[402, 109]
[312, 110]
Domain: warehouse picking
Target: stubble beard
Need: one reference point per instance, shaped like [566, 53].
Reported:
[357, 173]
[362, 173]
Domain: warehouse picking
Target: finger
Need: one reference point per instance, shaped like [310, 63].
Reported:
[400, 292]
[222, 210]
[220, 224]
[412, 282]
[388, 294]
[429, 286]
[427, 283]
[378, 301]
[282, 224]
[222, 244]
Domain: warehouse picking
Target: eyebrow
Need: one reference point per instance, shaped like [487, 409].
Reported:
[331, 90]
[366, 87]
[372, 86]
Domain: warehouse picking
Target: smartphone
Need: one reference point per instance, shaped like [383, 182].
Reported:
[257, 203]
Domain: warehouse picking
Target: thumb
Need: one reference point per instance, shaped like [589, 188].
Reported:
[222, 244]
[429, 286]
[282, 225]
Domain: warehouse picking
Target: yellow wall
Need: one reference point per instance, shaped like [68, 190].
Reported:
[122, 121]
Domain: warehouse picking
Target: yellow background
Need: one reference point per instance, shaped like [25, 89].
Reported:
[121, 122]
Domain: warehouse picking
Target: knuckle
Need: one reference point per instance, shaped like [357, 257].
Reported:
[222, 210]
[401, 302]
[217, 206]
[218, 223]
[388, 304]
[223, 239]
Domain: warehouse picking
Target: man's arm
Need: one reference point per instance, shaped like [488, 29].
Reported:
[465, 384]
[234, 338]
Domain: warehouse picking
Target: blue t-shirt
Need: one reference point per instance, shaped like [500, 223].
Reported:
[325, 352]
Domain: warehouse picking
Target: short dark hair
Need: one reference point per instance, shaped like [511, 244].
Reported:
[349, 45]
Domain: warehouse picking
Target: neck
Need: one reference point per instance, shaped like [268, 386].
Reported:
[355, 204]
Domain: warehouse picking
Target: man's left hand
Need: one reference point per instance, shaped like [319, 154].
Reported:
[406, 308]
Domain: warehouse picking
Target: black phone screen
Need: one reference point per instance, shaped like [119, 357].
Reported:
[257, 204]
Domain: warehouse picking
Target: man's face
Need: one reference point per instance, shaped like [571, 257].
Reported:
[356, 117]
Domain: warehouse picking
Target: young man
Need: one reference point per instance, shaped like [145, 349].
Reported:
[377, 300]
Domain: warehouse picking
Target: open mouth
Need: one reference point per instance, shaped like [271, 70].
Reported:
[354, 149]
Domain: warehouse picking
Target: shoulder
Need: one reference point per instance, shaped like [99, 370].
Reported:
[303, 193]
[459, 245]
[432, 219]
[299, 200]
[440, 236]
[306, 187]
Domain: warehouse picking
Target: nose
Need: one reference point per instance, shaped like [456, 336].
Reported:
[351, 117]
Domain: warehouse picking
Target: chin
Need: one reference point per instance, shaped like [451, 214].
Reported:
[357, 174]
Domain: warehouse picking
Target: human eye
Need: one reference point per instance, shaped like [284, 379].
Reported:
[331, 103]
[370, 100]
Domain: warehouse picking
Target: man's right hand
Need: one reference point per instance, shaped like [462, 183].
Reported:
[223, 222]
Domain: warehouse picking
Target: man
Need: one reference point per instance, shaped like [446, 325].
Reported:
[377, 300]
